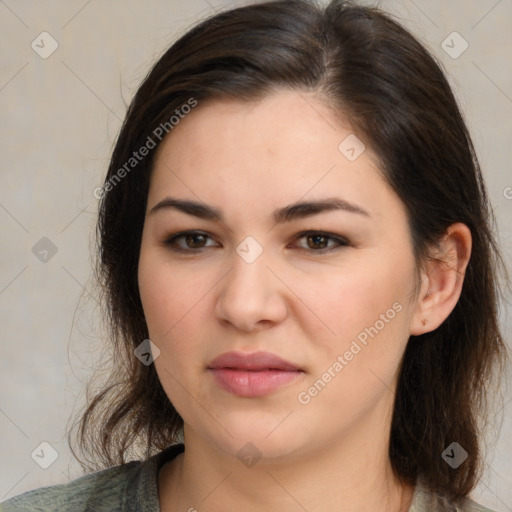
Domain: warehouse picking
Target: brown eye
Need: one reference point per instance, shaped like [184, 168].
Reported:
[317, 241]
[193, 240]
[321, 242]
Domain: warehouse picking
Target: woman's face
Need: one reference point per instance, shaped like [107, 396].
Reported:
[336, 304]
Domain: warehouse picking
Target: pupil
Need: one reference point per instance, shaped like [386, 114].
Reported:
[191, 238]
[316, 238]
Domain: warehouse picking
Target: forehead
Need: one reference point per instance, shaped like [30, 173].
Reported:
[277, 150]
[285, 125]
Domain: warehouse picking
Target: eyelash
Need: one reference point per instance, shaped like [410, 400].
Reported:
[342, 242]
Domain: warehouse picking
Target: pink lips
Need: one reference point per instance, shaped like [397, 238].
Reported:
[252, 375]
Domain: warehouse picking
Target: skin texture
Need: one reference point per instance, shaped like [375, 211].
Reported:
[248, 159]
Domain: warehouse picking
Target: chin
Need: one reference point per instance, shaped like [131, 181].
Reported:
[257, 440]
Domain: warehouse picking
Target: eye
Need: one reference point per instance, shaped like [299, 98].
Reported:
[318, 241]
[194, 241]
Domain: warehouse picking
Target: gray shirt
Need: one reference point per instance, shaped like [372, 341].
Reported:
[133, 487]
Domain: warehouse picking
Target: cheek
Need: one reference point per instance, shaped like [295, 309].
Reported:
[174, 303]
[359, 300]
[155, 299]
[168, 299]
[356, 369]
[368, 310]
[167, 293]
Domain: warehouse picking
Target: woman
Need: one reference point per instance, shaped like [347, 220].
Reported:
[300, 274]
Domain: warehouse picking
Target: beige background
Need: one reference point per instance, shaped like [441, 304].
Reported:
[60, 116]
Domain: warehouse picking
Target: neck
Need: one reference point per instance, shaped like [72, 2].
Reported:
[352, 476]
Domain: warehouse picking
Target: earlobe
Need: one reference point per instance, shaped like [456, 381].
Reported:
[442, 280]
[424, 321]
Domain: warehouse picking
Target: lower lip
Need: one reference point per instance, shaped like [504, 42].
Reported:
[252, 384]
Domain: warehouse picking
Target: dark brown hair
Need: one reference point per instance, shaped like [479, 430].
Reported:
[374, 73]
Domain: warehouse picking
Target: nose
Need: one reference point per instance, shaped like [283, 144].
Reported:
[251, 296]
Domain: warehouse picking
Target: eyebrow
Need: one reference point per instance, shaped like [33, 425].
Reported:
[288, 213]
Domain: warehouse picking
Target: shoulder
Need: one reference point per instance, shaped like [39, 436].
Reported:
[425, 500]
[127, 487]
[107, 485]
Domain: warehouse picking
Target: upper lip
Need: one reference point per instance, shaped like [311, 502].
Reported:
[252, 361]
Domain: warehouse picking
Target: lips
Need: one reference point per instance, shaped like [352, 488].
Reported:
[253, 375]
[257, 361]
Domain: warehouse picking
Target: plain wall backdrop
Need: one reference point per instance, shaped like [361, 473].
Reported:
[67, 71]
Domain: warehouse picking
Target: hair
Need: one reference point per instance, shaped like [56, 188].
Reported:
[371, 71]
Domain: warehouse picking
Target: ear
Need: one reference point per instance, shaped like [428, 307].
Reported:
[442, 280]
